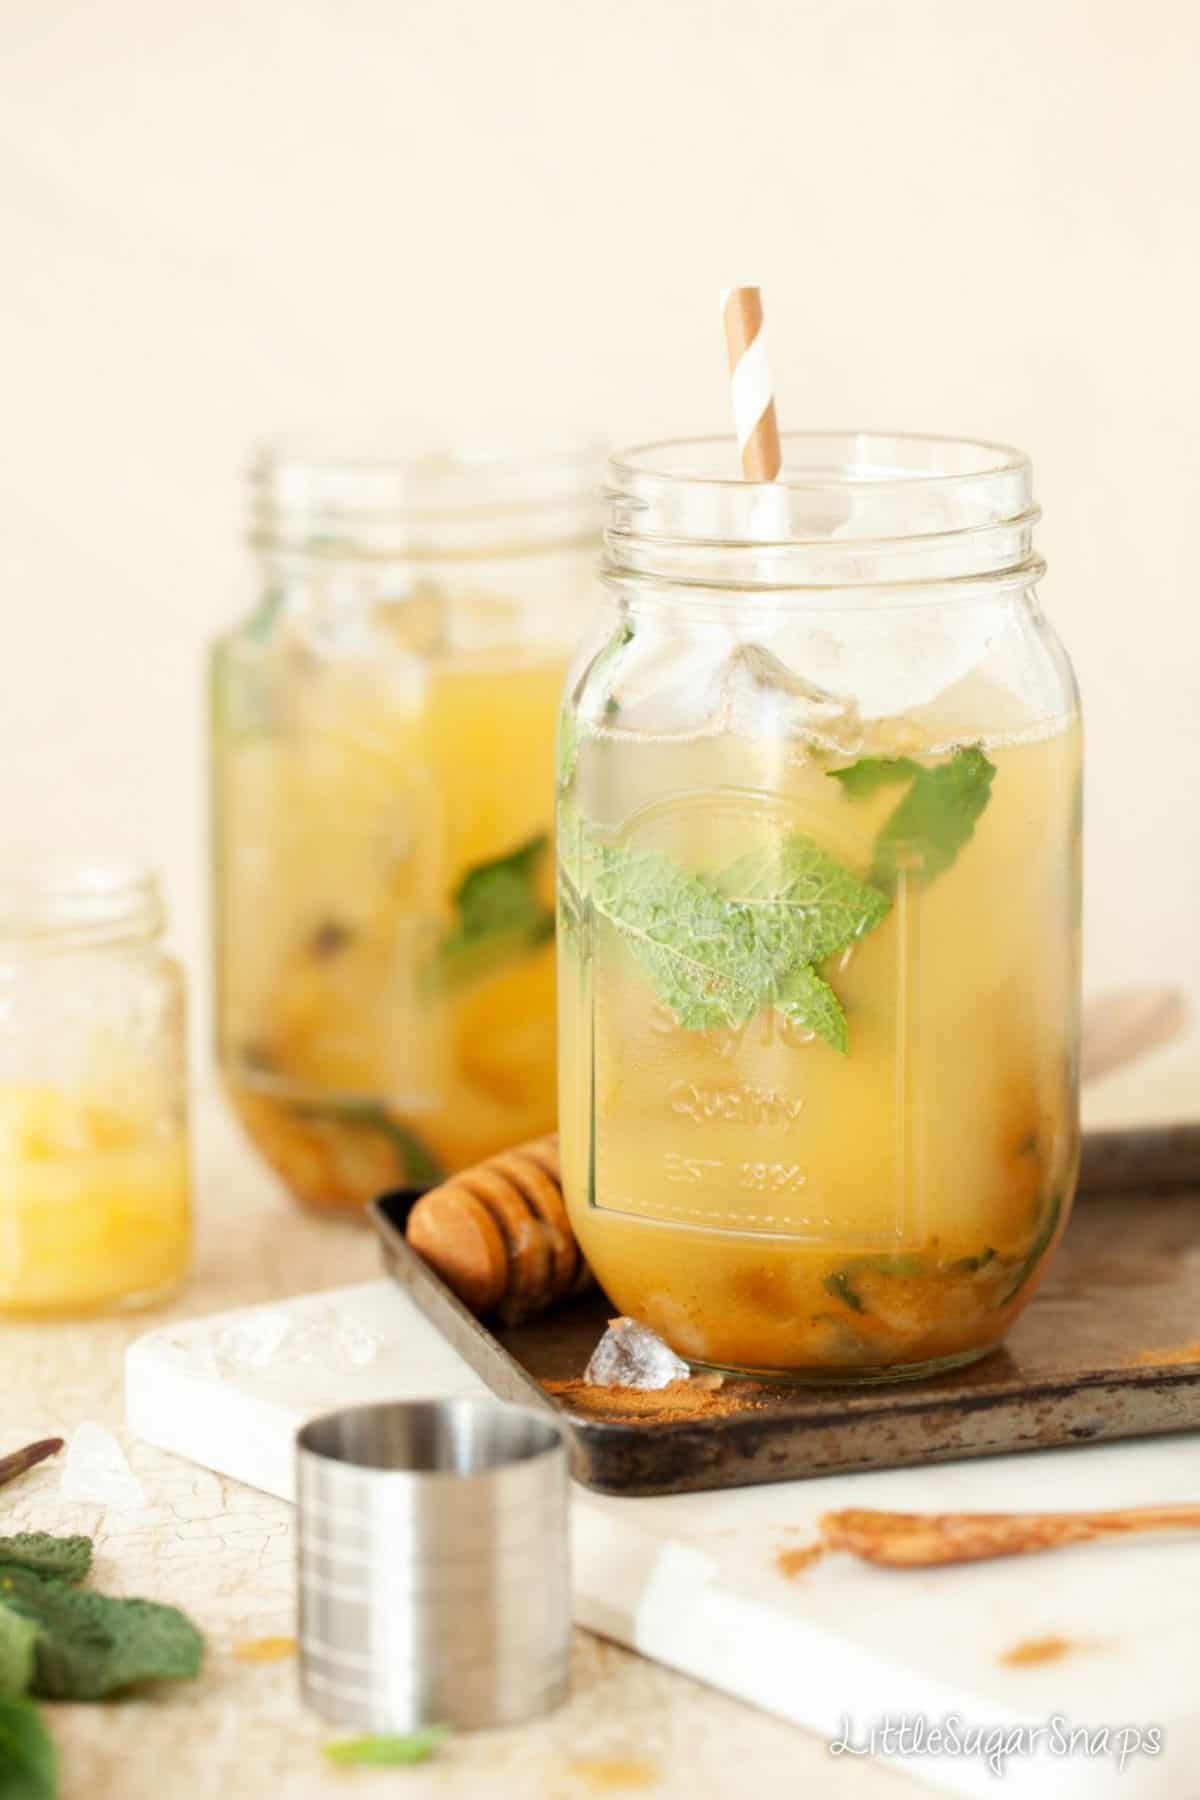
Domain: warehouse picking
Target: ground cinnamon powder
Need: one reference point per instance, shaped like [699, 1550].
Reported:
[1037, 1650]
[1181, 1353]
[682, 1400]
[794, 1562]
[610, 1773]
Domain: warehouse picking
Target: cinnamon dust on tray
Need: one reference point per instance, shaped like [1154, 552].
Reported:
[680, 1401]
[1180, 1353]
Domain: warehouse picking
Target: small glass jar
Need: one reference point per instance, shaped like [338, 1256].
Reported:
[94, 1189]
[819, 896]
[383, 731]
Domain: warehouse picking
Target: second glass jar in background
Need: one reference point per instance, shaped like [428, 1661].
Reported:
[94, 1190]
[819, 825]
[383, 733]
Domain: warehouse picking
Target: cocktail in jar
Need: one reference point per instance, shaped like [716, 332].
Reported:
[819, 818]
[383, 811]
[94, 1190]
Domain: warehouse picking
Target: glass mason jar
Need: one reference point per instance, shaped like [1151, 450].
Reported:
[94, 1195]
[383, 732]
[819, 893]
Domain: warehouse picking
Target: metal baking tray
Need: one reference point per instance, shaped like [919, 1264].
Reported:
[1109, 1348]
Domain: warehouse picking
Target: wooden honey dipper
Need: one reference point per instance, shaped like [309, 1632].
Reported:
[499, 1236]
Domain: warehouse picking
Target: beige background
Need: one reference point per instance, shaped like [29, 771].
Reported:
[224, 218]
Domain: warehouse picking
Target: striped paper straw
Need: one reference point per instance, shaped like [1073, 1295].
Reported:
[750, 383]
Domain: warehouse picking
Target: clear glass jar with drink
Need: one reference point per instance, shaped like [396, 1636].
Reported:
[819, 827]
[94, 1188]
[383, 796]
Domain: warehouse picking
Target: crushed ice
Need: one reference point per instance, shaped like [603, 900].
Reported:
[631, 1355]
[96, 1471]
[271, 1338]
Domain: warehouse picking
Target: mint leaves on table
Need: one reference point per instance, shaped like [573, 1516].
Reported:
[388, 1751]
[18, 1637]
[28, 1764]
[499, 914]
[68, 1557]
[65, 1642]
[717, 948]
[935, 818]
[90, 1645]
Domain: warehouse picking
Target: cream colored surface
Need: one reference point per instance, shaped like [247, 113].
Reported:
[226, 1553]
[221, 220]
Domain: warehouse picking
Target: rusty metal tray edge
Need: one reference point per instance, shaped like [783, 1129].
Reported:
[941, 1419]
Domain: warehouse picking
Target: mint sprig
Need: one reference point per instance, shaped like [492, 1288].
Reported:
[719, 948]
[388, 1750]
[498, 915]
[28, 1763]
[935, 818]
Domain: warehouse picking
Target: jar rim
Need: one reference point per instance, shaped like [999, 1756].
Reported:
[91, 900]
[853, 509]
[309, 493]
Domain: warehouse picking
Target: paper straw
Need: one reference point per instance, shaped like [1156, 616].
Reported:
[750, 383]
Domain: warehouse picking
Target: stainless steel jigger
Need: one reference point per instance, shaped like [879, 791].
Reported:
[433, 1565]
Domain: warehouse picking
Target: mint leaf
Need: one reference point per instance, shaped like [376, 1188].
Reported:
[807, 906]
[89, 1645]
[68, 1557]
[718, 948]
[703, 953]
[936, 817]
[17, 1639]
[421, 1168]
[807, 1000]
[28, 1763]
[388, 1751]
[870, 773]
[500, 915]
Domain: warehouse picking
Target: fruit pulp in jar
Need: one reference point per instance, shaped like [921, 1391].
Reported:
[94, 1194]
[819, 1066]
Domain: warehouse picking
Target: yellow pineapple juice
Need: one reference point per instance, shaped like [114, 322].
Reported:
[820, 1187]
[94, 1197]
[385, 916]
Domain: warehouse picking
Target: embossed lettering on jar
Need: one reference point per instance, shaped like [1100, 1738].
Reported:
[819, 820]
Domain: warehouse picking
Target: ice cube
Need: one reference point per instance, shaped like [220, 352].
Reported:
[631, 1355]
[331, 1341]
[96, 1471]
[255, 1341]
[321, 1338]
[762, 697]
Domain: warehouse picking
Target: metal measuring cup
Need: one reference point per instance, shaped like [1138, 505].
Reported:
[433, 1577]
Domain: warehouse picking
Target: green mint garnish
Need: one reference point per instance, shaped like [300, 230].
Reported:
[702, 952]
[499, 914]
[719, 948]
[18, 1638]
[421, 1167]
[28, 1764]
[806, 1000]
[70, 1558]
[807, 906]
[89, 1645]
[935, 818]
[388, 1751]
